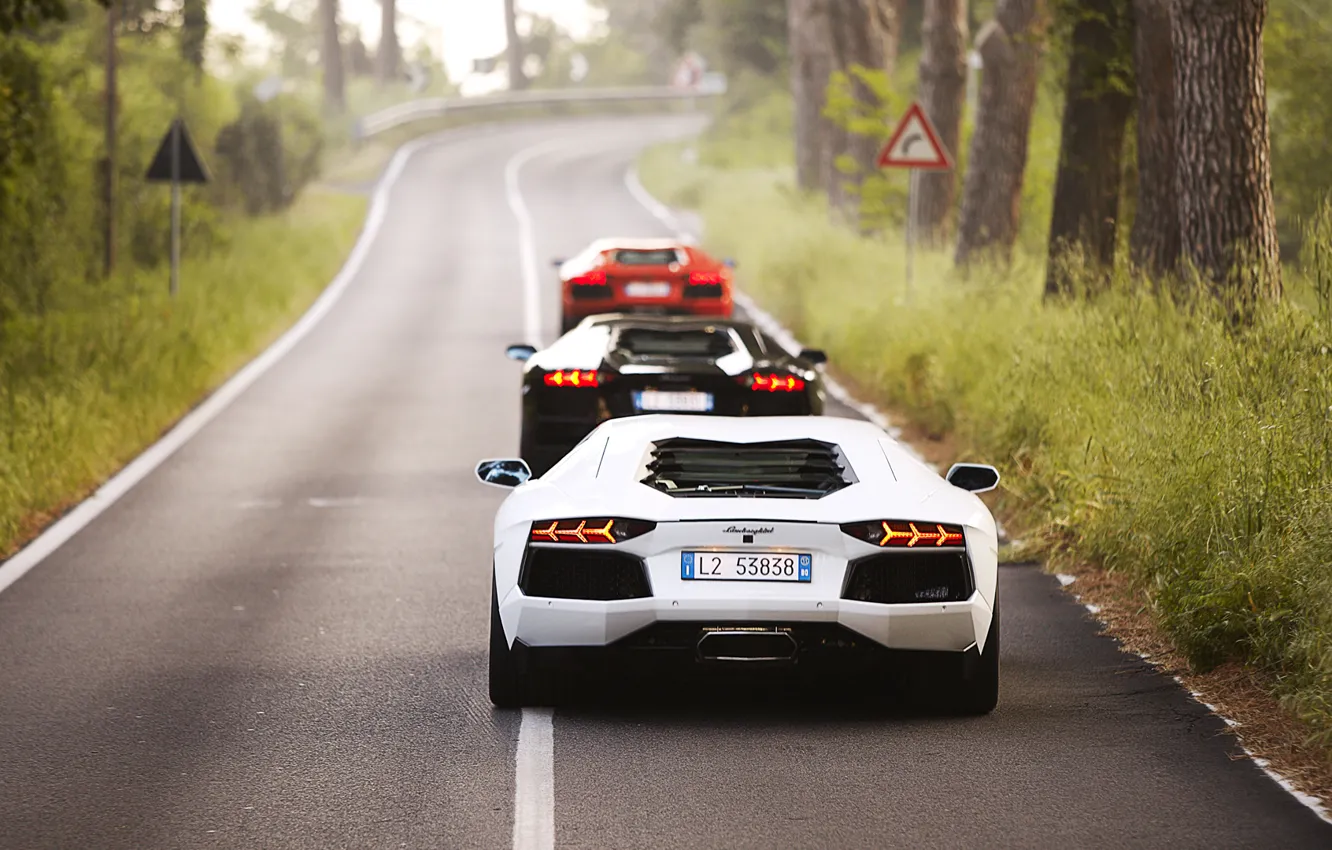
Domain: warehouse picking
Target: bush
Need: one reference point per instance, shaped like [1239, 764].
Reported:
[270, 153]
[32, 182]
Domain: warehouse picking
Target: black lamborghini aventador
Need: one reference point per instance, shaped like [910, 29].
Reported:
[621, 365]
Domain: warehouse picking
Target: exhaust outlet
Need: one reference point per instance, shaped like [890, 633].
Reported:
[747, 644]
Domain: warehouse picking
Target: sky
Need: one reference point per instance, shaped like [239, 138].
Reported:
[464, 29]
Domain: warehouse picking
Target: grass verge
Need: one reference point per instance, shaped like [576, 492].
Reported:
[1151, 440]
[104, 372]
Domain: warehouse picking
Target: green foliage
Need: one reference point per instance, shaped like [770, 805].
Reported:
[743, 35]
[32, 182]
[883, 194]
[1298, 50]
[91, 368]
[85, 387]
[733, 36]
[25, 14]
[294, 32]
[193, 31]
[1151, 437]
[270, 152]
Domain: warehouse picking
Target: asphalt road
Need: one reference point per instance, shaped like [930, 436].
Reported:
[278, 639]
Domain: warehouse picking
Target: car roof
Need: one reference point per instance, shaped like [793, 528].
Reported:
[618, 321]
[636, 244]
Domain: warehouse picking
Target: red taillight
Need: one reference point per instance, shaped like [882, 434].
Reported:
[596, 277]
[599, 530]
[770, 382]
[705, 279]
[906, 535]
[572, 378]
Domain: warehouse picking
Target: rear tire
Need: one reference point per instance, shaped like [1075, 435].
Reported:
[976, 689]
[507, 684]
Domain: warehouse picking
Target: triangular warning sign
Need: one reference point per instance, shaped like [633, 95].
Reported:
[176, 159]
[915, 144]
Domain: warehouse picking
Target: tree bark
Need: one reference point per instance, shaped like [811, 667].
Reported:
[388, 53]
[1091, 145]
[335, 94]
[1224, 174]
[863, 33]
[943, 91]
[517, 79]
[1010, 47]
[1154, 240]
[811, 66]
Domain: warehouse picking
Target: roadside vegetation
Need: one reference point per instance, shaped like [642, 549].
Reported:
[1168, 421]
[97, 359]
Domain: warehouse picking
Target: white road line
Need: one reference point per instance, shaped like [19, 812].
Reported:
[660, 211]
[92, 507]
[526, 238]
[534, 782]
[534, 758]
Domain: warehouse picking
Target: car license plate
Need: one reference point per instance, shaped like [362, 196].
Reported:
[691, 402]
[746, 566]
[646, 289]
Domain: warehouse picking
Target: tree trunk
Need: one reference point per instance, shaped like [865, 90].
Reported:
[388, 52]
[517, 79]
[1010, 47]
[863, 33]
[1224, 176]
[194, 32]
[811, 65]
[943, 91]
[1154, 241]
[335, 95]
[1091, 144]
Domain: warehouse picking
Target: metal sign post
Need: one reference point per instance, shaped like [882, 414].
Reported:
[175, 214]
[176, 162]
[915, 146]
[913, 196]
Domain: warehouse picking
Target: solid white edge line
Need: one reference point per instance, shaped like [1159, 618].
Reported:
[769, 325]
[534, 782]
[136, 470]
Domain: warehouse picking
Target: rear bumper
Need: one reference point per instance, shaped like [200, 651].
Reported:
[539, 622]
[579, 308]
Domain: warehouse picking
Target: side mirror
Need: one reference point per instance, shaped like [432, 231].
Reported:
[976, 477]
[813, 355]
[507, 472]
[729, 263]
[520, 352]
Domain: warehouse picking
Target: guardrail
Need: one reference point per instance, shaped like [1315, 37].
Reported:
[437, 107]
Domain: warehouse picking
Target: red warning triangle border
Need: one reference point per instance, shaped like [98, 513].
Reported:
[939, 162]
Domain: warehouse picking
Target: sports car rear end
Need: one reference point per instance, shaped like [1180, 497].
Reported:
[642, 366]
[645, 276]
[782, 554]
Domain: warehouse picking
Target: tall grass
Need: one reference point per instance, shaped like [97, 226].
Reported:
[87, 384]
[1147, 436]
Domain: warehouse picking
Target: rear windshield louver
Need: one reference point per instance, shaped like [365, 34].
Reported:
[797, 469]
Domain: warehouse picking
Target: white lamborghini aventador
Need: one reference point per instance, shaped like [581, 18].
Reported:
[717, 541]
